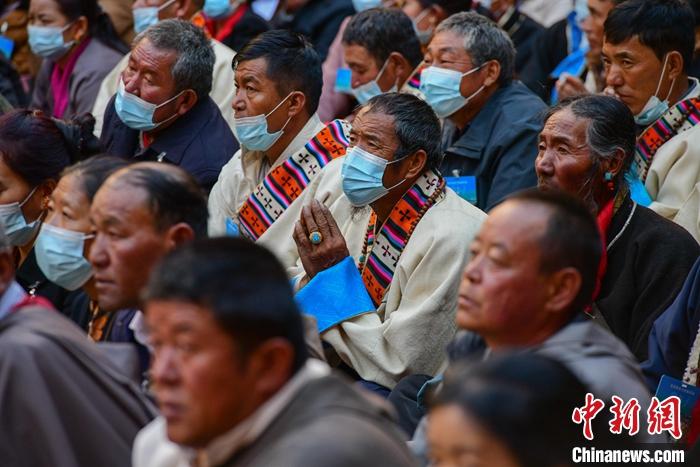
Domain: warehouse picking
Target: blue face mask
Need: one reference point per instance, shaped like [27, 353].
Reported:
[16, 228]
[424, 36]
[47, 41]
[362, 5]
[252, 132]
[218, 9]
[371, 89]
[59, 254]
[135, 112]
[655, 108]
[363, 175]
[440, 86]
[146, 17]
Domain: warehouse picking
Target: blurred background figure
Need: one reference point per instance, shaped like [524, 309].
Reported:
[232, 22]
[18, 66]
[79, 46]
[119, 11]
[545, 12]
[486, 414]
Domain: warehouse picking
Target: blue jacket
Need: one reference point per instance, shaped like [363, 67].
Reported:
[201, 142]
[674, 332]
[499, 146]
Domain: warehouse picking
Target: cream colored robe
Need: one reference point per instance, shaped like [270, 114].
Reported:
[245, 171]
[416, 320]
[673, 181]
[222, 90]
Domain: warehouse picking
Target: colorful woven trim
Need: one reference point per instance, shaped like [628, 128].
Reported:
[681, 117]
[381, 252]
[412, 86]
[288, 180]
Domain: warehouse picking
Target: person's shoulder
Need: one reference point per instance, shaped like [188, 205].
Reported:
[35, 330]
[100, 56]
[661, 231]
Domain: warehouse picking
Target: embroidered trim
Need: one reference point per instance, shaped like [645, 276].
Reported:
[381, 251]
[680, 118]
[287, 181]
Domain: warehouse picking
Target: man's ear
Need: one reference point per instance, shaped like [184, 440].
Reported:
[493, 72]
[182, 8]
[416, 164]
[272, 365]
[562, 289]
[297, 104]
[186, 101]
[399, 66]
[45, 189]
[675, 65]
[178, 234]
[80, 28]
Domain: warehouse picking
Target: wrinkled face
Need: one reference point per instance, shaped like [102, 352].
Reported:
[456, 439]
[564, 160]
[15, 189]
[127, 244]
[364, 68]
[593, 24]
[199, 378]
[256, 94]
[503, 292]
[148, 75]
[634, 71]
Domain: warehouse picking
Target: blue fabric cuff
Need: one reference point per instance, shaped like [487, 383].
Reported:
[232, 229]
[335, 295]
[638, 192]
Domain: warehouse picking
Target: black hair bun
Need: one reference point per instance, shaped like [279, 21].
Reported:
[78, 135]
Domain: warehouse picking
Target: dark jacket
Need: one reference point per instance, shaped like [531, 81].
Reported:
[319, 20]
[523, 31]
[549, 48]
[200, 141]
[499, 146]
[327, 423]
[646, 269]
[249, 26]
[63, 403]
[674, 332]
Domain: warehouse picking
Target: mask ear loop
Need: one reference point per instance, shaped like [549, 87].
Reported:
[661, 78]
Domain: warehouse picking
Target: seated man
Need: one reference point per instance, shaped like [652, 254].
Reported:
[379, 268]
[63, 403]
[647, 50]
[162, 110]
[284, 145]
[149, 12]
[140, 213]
[232, 378]
[492, 122]
[383, 53]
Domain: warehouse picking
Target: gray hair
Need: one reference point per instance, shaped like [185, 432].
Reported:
[483, 41]
[194, 67]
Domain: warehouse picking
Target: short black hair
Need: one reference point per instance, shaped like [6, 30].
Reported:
[292, 63]
[382, 31]
[572, 239]
[244, 286]
[415, 123]
[173, 195]
[93, 172]
[611, 127]
[662, 25]
[509, 393]
[695, 5]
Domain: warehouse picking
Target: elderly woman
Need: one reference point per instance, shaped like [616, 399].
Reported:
[79, 47]
[34, 150]
[585, 148]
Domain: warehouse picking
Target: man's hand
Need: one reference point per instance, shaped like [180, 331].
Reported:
[332, 249]
[569, 86]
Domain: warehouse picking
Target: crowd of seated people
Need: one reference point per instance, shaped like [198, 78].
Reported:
[349, 232]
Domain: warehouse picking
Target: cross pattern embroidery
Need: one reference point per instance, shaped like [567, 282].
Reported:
[259, 191]
[432, 182]
[385, 251]
[285, 180]
[406, 214]
[294, 191]
[268, 203]
[304, 159]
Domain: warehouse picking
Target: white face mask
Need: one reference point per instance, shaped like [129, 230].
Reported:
[18, 231]
[655, 108]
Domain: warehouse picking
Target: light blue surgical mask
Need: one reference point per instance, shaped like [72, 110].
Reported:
[16, 228]
[47, 41]
[59, 254]
[363, 175]
[655, 107]
[252, 132]
[219, 9]
[135, 112]
[146, 17]
[423, 35]
[440, 86]
[371, 89]
[362, 5]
